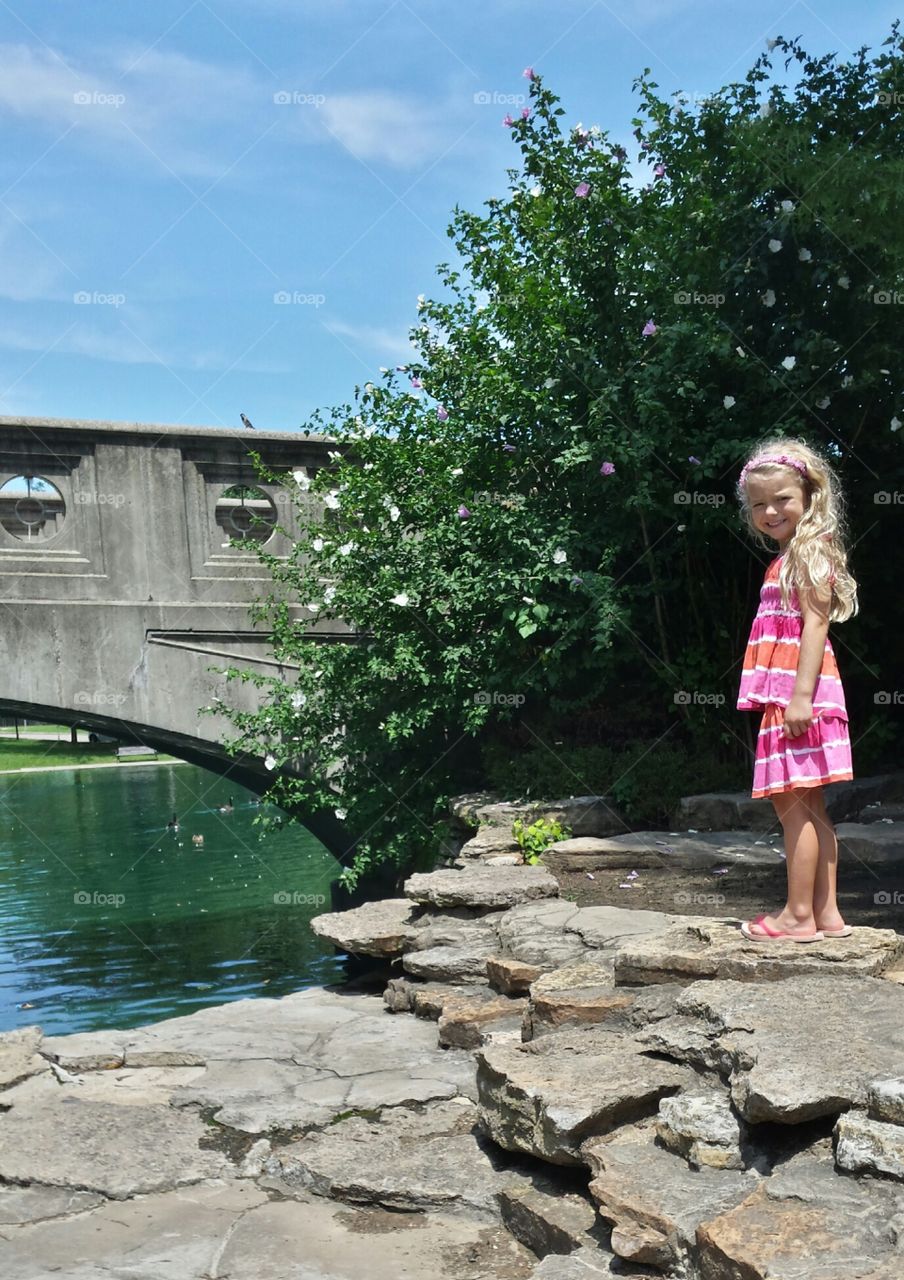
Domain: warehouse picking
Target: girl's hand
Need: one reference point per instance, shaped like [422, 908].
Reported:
[798, 715]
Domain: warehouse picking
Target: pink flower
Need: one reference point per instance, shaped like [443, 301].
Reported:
[582, 189]
[525, 112]
[660, 171]
[442, 413]
[645, 146]
[649, 329]
[528, 73]
[463, 512]
[416, 383]
[607, 469]
[508, 122]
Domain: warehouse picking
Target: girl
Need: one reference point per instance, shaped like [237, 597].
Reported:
[789, 494]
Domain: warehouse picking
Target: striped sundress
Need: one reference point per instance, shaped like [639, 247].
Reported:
[823, 753]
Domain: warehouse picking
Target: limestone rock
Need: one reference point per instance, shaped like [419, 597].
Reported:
[426, 999]
[705, 948]
[585, 1264]
[653, 1199]
[489, 843]
[548, 1219]
[761, 1036]
[118, 1151]
[19, 1055]
[538, 933]
[510, 976]
[488, 887]
[806, 1221]
[885, 1100]
[466, 1022]
[701, 1127]
[456, 928]
[612, 929]
[381, 928]
[863, 1145]
[577, 994]
[36, 1203]
[406, 1160]
[544, 1097]
[455, 964]
[873, 843]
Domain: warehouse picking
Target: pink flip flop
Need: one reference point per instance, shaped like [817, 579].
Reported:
[844, 932]
[776, 935]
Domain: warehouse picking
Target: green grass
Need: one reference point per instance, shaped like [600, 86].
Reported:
[42, 755]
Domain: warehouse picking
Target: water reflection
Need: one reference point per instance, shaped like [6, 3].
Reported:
[108, 918]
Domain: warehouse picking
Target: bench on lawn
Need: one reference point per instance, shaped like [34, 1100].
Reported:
[124, 753]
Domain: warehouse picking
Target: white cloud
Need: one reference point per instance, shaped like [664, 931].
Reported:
[382, 126]
[389, 342]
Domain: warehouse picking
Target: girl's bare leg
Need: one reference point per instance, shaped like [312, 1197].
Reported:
[825, 904]
[802, 861]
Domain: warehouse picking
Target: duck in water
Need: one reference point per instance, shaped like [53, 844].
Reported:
[197, 839]
[226, 808]
[173, 824]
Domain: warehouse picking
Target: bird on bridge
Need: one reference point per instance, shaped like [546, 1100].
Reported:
[246, 422]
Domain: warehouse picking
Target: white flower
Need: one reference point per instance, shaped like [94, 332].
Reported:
[729, 402]
[298, 700]
[769, 298]
[765, 110]
[895, 424]
[741, 352]
[401, 599]
[368, 466]
[789, 362]
[340, 814]
[368, 386]
[528, 600]
[824, 402]
[328, 594]
[559, 557]
[302, 479]
[317, 544]
[804, 255]
[458, 471]
[775, 246]
[269, 762]
[681, 528]
[847, 380]
[333, 454]
[346, 548]
[394, 514]
[331, 500]
[421, 301]
[536, 191]
[845, 282]
[314, 608]
[787, 206]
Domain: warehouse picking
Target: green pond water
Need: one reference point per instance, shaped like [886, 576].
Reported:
[108, 919]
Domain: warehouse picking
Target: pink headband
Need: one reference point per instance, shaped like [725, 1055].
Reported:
[782, 458]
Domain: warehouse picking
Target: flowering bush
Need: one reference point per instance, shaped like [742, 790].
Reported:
[528, 528]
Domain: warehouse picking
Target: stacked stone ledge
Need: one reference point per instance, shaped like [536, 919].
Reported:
[653, 1052]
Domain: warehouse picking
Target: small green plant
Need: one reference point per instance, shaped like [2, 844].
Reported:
[536, 839]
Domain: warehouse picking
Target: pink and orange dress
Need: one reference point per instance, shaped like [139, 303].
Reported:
[823, 753]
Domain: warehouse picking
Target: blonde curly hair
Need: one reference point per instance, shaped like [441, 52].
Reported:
[817, 549]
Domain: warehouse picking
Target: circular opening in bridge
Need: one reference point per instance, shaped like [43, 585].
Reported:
[31, 508]
[244, 511]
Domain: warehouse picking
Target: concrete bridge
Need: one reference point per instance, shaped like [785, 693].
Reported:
[119, 587]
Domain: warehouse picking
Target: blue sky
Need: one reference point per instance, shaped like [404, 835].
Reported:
[149, 166]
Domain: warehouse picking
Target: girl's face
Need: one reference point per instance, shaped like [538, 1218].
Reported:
[777, 502]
